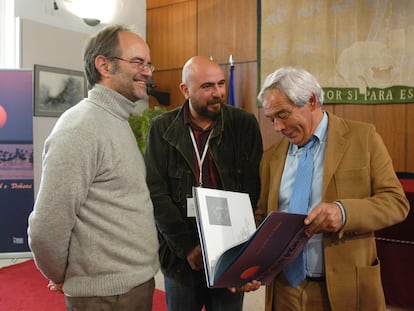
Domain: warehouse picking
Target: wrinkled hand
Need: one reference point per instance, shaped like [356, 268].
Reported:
[325, 217]
[248, 287]
[195, 259]
[55, 287]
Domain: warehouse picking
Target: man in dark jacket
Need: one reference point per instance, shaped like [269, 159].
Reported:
[208, 143]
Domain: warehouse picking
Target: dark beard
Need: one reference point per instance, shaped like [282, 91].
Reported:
[205, 112]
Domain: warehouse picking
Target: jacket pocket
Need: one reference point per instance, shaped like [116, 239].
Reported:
[180, 180]
[370, 292]
[350, 183]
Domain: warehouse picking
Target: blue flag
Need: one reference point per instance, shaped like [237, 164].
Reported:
[231, 97]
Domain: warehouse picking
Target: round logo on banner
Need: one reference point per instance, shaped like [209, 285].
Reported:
[3, 116]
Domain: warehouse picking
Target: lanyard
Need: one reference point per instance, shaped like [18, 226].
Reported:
[203, 156]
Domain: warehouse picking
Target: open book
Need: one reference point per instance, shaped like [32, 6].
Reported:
[234, 251]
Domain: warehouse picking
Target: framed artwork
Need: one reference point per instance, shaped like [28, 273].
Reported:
[56, 90]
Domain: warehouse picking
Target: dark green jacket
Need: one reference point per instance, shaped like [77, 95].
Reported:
[236, 147]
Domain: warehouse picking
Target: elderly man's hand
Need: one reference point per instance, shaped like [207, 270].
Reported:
[248, 287]
[325, 217]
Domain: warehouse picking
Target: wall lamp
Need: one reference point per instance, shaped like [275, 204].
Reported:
[92, 12]
[91, 21]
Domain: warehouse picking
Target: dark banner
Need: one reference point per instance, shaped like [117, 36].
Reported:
[16, 159]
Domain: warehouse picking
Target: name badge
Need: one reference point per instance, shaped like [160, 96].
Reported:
[190, 207]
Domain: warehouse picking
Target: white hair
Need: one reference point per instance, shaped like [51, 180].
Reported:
[297, 84]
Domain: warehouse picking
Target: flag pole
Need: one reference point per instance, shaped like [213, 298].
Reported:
[231, 97]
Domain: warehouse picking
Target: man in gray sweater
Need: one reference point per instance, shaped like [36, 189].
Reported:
[92, 230]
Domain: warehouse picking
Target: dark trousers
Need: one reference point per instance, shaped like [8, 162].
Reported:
[193, 296]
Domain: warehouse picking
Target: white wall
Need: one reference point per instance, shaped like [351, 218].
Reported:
[128, 12]
[46, 45]
[56, 38]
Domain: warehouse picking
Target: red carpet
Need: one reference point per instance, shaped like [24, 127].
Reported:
[23, 288]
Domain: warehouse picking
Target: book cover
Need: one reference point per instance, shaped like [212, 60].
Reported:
[234, 251]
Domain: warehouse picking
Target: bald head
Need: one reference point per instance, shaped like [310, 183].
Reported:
[204, 86]
[196, 66]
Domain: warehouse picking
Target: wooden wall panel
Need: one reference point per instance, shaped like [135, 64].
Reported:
[227, 27]
[329, 108]
[409, 165]
[169, 21]
[180, 29]
[152, 4]
[363, 113]
[171, 34]
[168, 81]
[391, 125]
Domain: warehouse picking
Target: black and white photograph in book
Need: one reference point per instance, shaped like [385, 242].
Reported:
[218, 211]
[56, 90]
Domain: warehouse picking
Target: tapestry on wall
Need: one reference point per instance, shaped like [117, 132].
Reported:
[16, 158]
[360, 51]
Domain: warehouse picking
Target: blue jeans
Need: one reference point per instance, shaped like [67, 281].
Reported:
[195, 295]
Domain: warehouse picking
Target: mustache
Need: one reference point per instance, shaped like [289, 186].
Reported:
[215, 101]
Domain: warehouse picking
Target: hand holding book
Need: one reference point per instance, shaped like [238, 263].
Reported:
[234, 251]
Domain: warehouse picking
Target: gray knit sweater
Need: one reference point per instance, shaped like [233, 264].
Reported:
[92, 226]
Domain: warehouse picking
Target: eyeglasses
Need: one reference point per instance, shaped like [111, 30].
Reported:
[139, 63]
